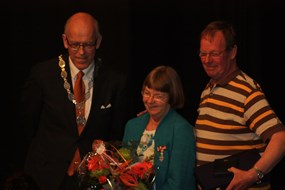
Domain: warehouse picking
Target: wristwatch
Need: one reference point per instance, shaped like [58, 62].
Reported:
[259, 173]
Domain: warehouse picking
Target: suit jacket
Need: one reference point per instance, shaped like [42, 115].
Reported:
[176, 171]
[49, 119]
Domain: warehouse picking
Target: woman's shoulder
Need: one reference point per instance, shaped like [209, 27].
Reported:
[174, 114]
[138, 119]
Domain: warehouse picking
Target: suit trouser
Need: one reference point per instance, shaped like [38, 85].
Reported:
[70, 183]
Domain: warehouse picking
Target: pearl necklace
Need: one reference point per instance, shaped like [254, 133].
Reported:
[80, 119]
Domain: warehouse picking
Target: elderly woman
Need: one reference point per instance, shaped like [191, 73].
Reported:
[163, 135]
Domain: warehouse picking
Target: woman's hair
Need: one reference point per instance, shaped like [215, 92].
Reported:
[165, 79]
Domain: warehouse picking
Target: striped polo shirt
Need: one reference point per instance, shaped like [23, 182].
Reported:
[233, 116]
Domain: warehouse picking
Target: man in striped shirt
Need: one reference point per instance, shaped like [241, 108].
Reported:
[234, 114]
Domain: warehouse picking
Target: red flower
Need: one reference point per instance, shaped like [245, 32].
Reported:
[141, 168]
[97, 163]
[128, 178]
[102, 179]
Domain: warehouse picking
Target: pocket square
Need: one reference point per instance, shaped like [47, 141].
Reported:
[104, 107]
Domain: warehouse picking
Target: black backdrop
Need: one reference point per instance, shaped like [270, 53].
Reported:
[138, 35]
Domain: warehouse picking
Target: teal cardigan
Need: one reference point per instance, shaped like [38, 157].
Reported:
[176, 171]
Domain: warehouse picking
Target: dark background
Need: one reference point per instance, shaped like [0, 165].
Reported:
[137, 36]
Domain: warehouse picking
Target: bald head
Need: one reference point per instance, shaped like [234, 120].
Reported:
[82, 24]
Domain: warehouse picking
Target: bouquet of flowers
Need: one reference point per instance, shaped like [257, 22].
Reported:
[111, 166]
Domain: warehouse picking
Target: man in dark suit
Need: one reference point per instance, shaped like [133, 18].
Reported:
[59, 137]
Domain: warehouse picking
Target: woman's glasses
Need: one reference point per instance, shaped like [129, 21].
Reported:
[157, 97]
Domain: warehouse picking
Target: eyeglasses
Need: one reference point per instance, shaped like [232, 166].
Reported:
[76, 45]
[213, 54]
[156, 97]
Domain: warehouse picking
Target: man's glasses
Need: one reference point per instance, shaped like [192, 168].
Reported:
[156, 97]
[88, 46]
[213, 54]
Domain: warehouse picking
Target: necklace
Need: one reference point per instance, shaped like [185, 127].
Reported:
[80, 119]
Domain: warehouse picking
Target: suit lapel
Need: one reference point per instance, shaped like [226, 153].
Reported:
[68, 106]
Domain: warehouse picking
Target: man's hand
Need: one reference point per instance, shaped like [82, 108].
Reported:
[142, 112]
[242, 179]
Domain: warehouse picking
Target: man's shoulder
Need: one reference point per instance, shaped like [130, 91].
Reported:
[115, 75]
[248, 81]
[49, 66]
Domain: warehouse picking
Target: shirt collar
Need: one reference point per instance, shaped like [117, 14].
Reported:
[227, 79]
[88, 72]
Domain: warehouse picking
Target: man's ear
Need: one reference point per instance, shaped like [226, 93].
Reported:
[234, 52]
[63, 36]
[98, 41]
